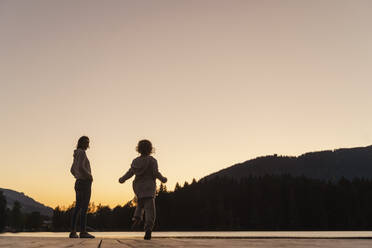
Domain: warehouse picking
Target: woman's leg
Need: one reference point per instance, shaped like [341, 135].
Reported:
[85, 199]
[74, 219]
[77, 208]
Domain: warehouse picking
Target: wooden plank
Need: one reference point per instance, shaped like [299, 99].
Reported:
[34, 242]
[252, 243]
[155, 242]
[30, 242]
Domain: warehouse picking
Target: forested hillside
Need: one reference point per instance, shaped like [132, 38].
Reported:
[279, 202]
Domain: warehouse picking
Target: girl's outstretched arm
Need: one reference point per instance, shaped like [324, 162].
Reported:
[157, 173]
[127, 175]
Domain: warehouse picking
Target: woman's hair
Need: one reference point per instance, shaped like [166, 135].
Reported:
[82, 142]
[144, 147]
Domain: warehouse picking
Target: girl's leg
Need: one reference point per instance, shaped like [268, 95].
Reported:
[150, 213]
[138, 213]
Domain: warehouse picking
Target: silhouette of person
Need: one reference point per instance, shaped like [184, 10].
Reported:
[145, 169]
[81, 170]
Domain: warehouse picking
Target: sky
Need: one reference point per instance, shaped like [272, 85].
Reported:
[211, 83]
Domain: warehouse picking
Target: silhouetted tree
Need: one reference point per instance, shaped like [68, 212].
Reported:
[177, 187]
[103, 218]
[2, 211]
[280, 202]
[33, 221]
[61, 219]
[162, 188]
[16, 217]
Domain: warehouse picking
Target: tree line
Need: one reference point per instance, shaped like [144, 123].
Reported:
[16, 221]
[277, 202]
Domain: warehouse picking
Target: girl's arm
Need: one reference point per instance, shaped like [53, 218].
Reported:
[157, 173]
[127, 175]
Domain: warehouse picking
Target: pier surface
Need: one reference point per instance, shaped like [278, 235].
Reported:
[41, 242]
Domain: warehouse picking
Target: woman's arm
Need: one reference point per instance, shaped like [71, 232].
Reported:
[84, 167]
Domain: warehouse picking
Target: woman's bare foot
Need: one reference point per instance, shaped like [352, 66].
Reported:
[85, 235]
[73, 235]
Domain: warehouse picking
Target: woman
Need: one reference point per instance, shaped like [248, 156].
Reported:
[80, 169]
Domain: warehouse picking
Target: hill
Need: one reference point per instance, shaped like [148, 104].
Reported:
[326, 165]
[277, 202]
[28, 204]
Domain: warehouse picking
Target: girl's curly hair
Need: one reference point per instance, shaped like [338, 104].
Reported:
[144, 147]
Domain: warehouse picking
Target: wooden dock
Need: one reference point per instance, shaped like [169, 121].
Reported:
[37, 242]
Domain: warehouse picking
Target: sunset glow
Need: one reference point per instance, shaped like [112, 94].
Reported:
[210, 83]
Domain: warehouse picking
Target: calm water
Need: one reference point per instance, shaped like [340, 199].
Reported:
[310, 234]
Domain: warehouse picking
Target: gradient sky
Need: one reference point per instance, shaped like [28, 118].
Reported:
[210, 83]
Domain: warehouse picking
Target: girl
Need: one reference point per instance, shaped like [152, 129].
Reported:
[80, 169]
[145, 168]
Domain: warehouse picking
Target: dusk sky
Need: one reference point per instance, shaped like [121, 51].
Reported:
[210, 83]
